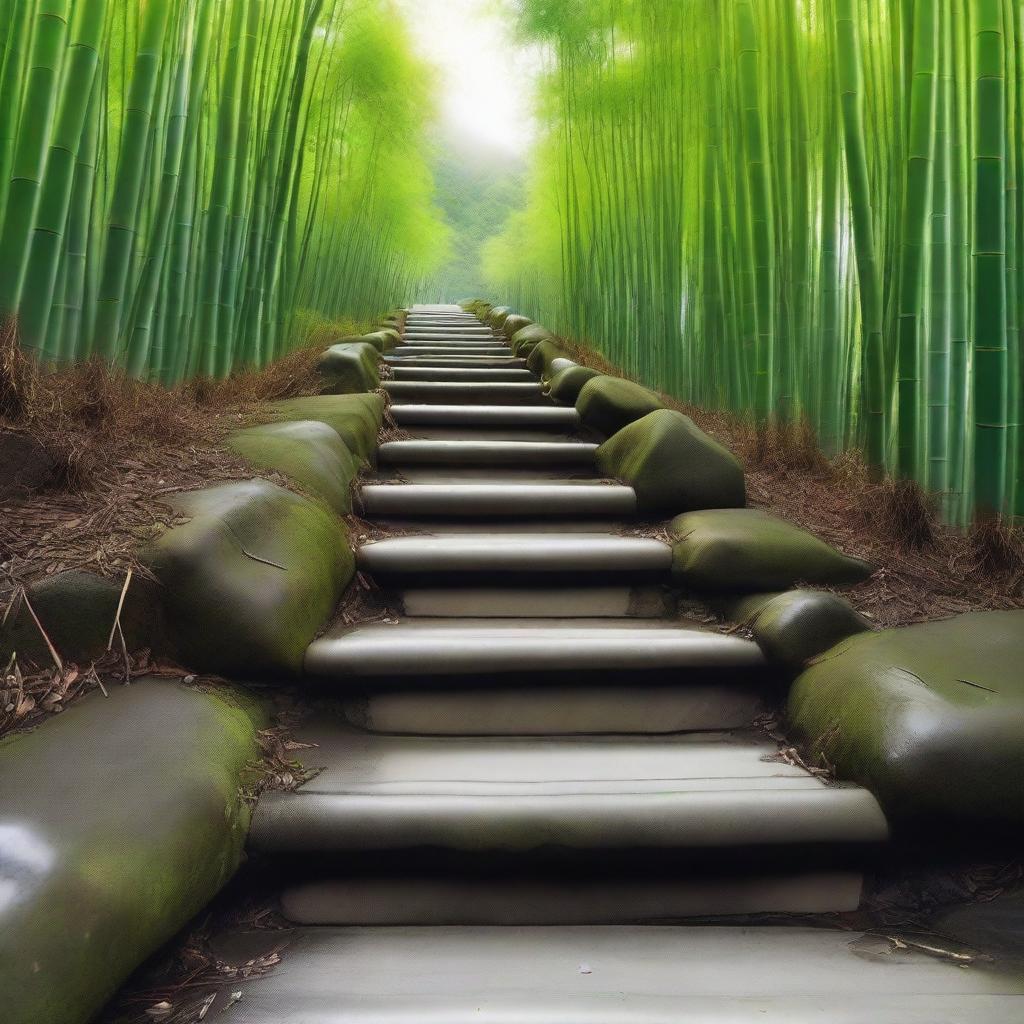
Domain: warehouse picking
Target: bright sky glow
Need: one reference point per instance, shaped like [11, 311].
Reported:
[486, 79]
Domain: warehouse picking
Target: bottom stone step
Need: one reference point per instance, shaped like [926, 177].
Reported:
[562, 901]
[656, 974]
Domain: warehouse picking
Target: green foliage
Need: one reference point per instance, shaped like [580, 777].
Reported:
[475, 192]
[180, 178]
[797, 210]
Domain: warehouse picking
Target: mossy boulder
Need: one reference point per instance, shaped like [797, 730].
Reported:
[121, 819]
[607, 404]
[356, 418]
[542, 355]
[795, 626]
[673, 465]
[513, 323]
[566, 383]
[309, 452]
[349, 367]
[497, 315]
[383, 340]
[929, 717]
[478, 307]
[250, 579]
[524, 340]
[77, 609]
[741, 550]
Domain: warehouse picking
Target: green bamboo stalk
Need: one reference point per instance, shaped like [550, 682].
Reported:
[122, 224]
[989, 259]
[74, 311]
[916, 212]
[848, 58]
[939, 328]
[12, 80]
[41, 87]
[47, 241]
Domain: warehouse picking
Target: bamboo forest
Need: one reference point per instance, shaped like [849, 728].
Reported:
[794, 209]
[511, 511]
[184, 183]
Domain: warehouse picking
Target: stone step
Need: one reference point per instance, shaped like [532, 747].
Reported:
[461, 374]
[529, 416]
[491, 553]
[428, 901]
[486, 453]
[617, 974]
[498, 500]
[571, 647]
[636, 795]
[620, 707]
[447, 334]
[443, 324]
[418, 344]
[450, 392]
[450, 362]
[452, 349]
[551, 600]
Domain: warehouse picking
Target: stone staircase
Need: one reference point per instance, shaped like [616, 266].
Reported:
[540, 762]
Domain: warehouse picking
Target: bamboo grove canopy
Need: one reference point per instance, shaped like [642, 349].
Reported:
[186, 184]
[799, 208]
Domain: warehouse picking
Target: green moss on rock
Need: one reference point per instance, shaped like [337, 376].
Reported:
[308, 452]
[930, 717]
[566, 384]
[356, 418]
[542, 355]
[607, 404]
[738, 550]
[795, 626]
[121, 819]
[513, 323]
[250, 579]
[524, 340]
[383, 340]
[673, 465]
[77, 609]
[349, 367]
[496, 316]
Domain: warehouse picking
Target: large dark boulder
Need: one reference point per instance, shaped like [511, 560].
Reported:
[796, 626]
[248, 581]
[120, 820]
[356, 418]
[542, 355]
[567, 381]
[929, 717]
[526, 338]
[513, 323]
[350, 367]
[673, 465]
[741, 550]
[607, 404]
[309, 453]
[78, 610]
